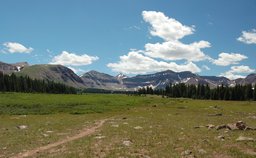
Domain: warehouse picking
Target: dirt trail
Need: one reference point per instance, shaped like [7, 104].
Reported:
[85, 132]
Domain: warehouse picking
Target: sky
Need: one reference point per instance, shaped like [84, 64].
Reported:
[213, 37]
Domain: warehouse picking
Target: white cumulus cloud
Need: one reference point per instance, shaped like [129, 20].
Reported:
[171, 31]
[231, 75]
[226, 59]
[165, 27]
[136, 63]
[236, 71]
[174, 50]
[66, 58]
[157, 56]
[14, 47]
[241, 69]
[248, 37]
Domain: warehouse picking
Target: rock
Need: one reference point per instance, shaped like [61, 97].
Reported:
[186, 153]
[49, 131]
[116, 126]
[232, 127]
[210, 126]
[215, 114]
[199, 126]
[242, 138]
[45, 135]
[99, 137]
[127, 143]
[250, 128]
[241, 125]
[221, 127]
[220, 137]
[137, 127]
[22, 127]
[202, 151]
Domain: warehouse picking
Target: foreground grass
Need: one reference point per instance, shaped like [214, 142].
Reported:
[153, 126]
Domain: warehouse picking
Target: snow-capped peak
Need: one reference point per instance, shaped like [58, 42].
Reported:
[121, 76]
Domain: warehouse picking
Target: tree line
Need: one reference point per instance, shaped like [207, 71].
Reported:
[13, 83]
[201, 91]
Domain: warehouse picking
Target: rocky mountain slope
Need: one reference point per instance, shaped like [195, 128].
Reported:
[250, 79]
[7, 68]
[98, 80]
[160, 79]
[57, 73]
[94, 79]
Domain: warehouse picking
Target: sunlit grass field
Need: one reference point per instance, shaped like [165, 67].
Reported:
[136, 126]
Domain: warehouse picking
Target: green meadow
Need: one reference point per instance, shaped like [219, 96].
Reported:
[135, 126]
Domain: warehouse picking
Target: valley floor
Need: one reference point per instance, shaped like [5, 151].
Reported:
[105, 125]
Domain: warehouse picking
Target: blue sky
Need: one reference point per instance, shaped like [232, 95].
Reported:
[133, 37]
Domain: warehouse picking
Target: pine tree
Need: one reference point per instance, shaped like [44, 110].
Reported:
[207, 92]
[248, 92]
[226, 94]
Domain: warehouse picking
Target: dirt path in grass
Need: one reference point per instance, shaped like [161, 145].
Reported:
[85, 132]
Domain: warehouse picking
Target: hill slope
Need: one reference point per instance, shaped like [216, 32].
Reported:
[57, 73]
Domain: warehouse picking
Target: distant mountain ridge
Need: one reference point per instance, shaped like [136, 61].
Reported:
[98, 80]
[94, 79]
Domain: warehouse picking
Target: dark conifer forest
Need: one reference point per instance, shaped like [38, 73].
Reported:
[181, 90]
[13, 83]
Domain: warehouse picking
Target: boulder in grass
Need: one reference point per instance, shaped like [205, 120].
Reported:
[250, 128]
[137, 127]
[22, 127]
[199, 126]
[221, 127]
[220, 137]
[186, 153]
[219, 114]
[241, 125]
[210, 126]
[127, 143]
[231, 126]
[242, 138]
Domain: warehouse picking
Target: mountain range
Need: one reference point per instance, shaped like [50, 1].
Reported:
[98, 80]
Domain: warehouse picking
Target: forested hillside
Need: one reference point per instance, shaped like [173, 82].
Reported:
[13, 83]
